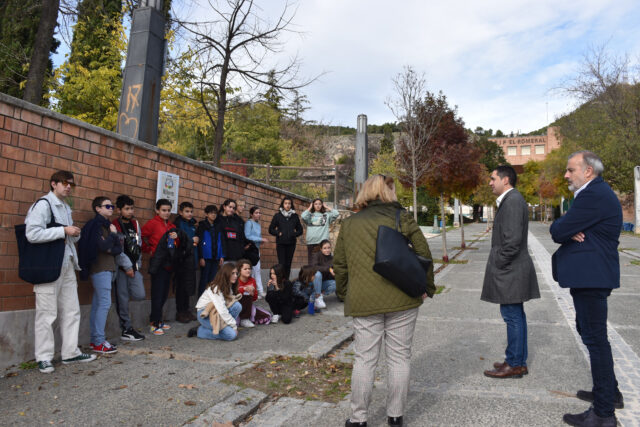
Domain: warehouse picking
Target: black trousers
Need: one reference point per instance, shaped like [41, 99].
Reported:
[285, 257]
[182, 298]
[278, 305]
[160, 283]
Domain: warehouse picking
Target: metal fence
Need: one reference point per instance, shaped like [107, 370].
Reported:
[336, 181]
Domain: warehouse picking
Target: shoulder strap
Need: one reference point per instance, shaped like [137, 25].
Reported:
[52, 219]
[398, 220]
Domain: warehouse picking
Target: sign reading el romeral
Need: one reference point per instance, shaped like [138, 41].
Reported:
[168, 188]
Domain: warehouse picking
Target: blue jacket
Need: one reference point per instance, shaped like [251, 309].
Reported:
[593, 263]
[253, 232]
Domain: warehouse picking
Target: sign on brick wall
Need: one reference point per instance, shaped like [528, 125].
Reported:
[168, 188]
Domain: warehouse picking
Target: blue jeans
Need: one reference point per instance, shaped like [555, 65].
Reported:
[516, 320]
[208, 273]
[226, 334]
[591, 322]
[325, 287]
[100, 305]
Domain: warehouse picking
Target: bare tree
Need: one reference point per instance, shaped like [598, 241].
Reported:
[419, 113]
[235, 49]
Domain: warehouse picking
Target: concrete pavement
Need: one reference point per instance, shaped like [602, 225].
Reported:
[457, 337]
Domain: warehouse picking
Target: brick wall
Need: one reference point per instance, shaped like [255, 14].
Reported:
[35, 142]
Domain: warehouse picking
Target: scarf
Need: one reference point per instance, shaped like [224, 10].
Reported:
[287, 214]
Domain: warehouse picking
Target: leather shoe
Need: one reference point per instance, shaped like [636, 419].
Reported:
[192, 332]
[499, 365]
[506, 371]
[395, 421]
[348, 423]
[589, 419]
[587, 396]
[183, 317]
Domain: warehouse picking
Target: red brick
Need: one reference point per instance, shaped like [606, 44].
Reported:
[79, 168]
[143, 162]
[1, 122]
[14, 303]
[15, 125]
[115, 176]
[35, 158]
[26, 169]
[89, 182]
[92, 136]
[91, 159]
[9, 207]
[97, 149]
[81, 144]
[6, 109]
[124, 167]
[15, 153]
[96, 172]
[63, 139]
[5, 136]
[50, 123]
[49, 148]
[29, 143]
[31, 117]
[10, 179]
[37, 131]
[25, 195]
[70, 129]
[107, 163]
[32, 183]
[61, 164]
[68, 153]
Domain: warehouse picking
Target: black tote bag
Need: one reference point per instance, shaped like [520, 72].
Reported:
[39, 262]
[397, 262]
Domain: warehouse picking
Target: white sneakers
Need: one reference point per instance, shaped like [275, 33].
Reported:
[246, 323]
[275, 318]
[320, 302]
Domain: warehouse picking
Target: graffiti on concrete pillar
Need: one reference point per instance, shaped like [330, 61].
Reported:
[128, 125]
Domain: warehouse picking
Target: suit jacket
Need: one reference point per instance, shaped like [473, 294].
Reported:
[510, 276]
[593, 263]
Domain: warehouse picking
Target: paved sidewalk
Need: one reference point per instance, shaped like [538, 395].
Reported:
[457, 337]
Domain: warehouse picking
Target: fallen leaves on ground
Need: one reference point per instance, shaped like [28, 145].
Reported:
[187, 386]
[293, 376]
[190, 403]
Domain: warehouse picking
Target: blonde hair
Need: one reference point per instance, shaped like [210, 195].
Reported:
[376, 187]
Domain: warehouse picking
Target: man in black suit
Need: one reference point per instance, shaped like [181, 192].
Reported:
[510, 277]
[587, 262]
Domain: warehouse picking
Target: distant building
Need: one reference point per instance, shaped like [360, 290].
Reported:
[518, 150]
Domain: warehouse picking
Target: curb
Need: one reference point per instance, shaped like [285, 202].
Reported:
[233, 409]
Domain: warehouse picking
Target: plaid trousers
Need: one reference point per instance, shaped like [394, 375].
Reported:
[397, 330]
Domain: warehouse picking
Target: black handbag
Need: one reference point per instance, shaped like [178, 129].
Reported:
[39, 262]
[252, 253]
[397, 262]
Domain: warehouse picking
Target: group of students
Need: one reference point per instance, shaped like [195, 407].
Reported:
[225, 250]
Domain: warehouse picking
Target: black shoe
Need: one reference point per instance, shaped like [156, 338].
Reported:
[131, 335]
[587, 396]
[192, 332]
[589, 419]
[395, 421]
[348, 423]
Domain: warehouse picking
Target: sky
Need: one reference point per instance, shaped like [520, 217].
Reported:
[500, 62]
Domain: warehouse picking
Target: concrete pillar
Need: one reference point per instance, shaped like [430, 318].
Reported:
[362, 153]
[140, 99]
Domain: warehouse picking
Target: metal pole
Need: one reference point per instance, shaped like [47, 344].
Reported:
[267, 180]
[335, 187]
[361, 155]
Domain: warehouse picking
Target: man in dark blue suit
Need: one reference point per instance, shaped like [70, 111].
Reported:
[587, 263]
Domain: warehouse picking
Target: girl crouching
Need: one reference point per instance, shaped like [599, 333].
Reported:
[251, 314]
[280, 296]
[218, 308]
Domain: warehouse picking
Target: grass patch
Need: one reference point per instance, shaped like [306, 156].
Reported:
[439, 289]
[298, 377]
[626, 249]
[635, 262]
[451, 261]
[29, 365]
[466, 248]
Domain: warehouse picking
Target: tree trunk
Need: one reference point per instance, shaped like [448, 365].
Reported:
[415, 188]
[462, 243]
[41, 49]
[445, 256]
[222, 107]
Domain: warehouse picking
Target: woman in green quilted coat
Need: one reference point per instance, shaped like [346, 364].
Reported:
[381, 311]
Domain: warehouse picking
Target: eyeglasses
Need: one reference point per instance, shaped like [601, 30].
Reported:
[107, 206]
[71, 183]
